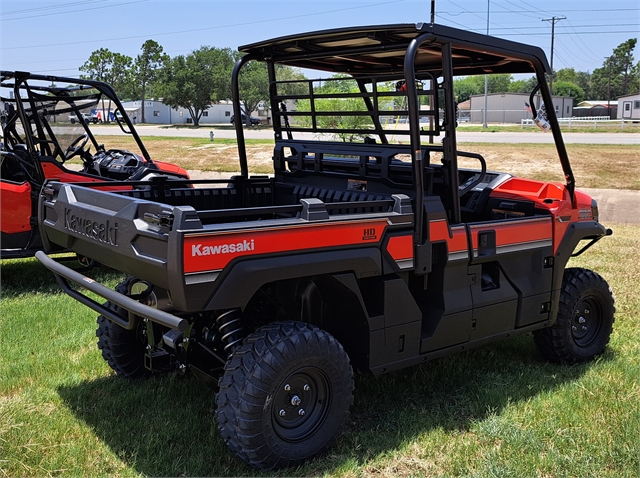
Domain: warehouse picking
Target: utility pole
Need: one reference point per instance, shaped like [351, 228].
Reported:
[609, 87]
[433, 11]
[486, 80]
[553, 21]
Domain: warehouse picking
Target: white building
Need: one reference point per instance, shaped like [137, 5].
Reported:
[629, 106]
[512, 107]
[156, 112]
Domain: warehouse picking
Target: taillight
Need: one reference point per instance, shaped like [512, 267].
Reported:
[594, 210]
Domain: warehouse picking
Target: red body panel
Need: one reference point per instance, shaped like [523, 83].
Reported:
[53, 171]
[551, 196]
[16, 207]
[521, 231]
[456, 240]
[400, 247]
[171, 168]
[212, 252]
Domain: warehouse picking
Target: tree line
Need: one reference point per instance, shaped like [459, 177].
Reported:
[194, 81]
[617, 76]
[203, 77]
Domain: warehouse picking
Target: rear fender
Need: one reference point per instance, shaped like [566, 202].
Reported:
[242, 280]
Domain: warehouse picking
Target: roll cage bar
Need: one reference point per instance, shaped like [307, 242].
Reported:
[408, 52]
[40, 93]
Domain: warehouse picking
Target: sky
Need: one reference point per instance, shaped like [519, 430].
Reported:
[57, 36]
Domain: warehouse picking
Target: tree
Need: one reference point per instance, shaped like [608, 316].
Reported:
[523, 86]
[567, 88]
[197, 80]
[120, 75]
[113, 68]
[253, 86]
[622, 61]
[147, 67]
[287, 73]
[616, 76]
[498, 83]
[466, 87]
[98, 65]
[583, 80]
[341, 84]
[565, 74]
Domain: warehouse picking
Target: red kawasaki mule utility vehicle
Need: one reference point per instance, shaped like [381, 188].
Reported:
[368, 247]
[45, 124]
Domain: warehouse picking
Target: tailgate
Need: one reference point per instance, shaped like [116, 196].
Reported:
[128, 234]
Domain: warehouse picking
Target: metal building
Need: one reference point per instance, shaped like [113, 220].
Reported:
[512, 107]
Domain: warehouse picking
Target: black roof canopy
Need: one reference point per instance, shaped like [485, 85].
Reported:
[376, 50]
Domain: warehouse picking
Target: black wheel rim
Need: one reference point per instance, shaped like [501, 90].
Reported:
[587, 321]
[300, 404]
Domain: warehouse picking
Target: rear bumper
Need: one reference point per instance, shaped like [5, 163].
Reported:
[65, 275]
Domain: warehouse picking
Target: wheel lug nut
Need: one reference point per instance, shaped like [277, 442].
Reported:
[587, 311]
[295, 401]
[282, 413]
[287, 387]
[306, 387]
[584, 328]
[573, 327]
[301, 412]
[582, 320]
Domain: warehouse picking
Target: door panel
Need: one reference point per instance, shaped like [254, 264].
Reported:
[511, 262]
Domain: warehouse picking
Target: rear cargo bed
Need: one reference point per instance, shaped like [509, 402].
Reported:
[132, 231]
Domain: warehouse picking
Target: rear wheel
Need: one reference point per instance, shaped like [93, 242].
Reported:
[585, 319]
[285, 395]
[123, 349]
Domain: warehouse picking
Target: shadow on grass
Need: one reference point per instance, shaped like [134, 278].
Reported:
[28, 276]
[165, 426]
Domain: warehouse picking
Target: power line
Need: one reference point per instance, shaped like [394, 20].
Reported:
[193, 30]
[578, 26]
[519, 13]
[73, 11]
[536, 11]
[534, 7]
[586, 50]
[614, 32]
[51, 7]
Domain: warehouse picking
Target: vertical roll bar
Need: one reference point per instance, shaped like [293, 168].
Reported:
[237, 112]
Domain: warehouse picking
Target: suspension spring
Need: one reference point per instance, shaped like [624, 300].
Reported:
[230, 328]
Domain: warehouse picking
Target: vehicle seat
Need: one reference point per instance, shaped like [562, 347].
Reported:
[10, 168]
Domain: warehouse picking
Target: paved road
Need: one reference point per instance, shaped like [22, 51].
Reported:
[462, 136]
[616, 206]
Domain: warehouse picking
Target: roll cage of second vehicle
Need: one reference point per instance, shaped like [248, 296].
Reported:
[47, 122]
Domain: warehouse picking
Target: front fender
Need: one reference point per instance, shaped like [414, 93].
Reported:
[575, 233]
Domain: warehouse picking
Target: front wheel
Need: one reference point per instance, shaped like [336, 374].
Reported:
[285, 395]
[585, 319]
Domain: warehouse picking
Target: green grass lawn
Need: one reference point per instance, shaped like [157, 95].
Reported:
[496, 411]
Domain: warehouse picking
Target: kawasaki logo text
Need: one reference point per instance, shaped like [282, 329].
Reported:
[200, 250]
[98, 231]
